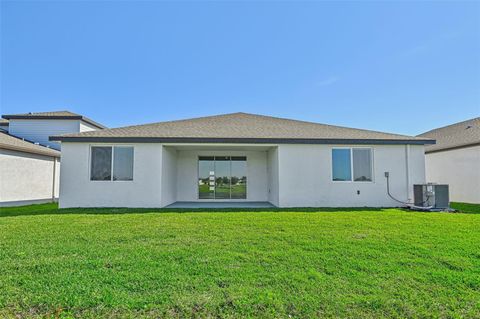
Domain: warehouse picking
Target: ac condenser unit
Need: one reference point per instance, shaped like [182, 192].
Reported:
[431, 195]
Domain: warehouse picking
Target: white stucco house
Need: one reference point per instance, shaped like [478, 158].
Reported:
[455, 159]
[238, 158]
[29, 162]
[29, 173]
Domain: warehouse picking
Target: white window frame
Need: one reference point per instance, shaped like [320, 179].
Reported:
[352, 174]
[111, 164]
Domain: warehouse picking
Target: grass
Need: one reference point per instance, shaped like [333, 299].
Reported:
[466, 207]
[237, 191]
[303, 263]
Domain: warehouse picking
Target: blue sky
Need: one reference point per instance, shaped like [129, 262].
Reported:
[389, 66]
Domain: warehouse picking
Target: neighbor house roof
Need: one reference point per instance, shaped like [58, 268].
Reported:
[240, 128]
[14, 143]
[57, 115]
[458, 135]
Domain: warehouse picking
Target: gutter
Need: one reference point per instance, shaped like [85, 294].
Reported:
[54, 175]
[119, 139]
[27, 150]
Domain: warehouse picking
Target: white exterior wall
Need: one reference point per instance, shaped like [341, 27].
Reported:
[40, 130]
[85, 127]
[305, 177]
[416, 167]
[287, 176]
[272, 169]
[76, 189]
[27, 177]
[460, 169]
[187, 176]
[169, 175]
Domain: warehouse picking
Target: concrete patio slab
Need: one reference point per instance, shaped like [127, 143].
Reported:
[220, 205]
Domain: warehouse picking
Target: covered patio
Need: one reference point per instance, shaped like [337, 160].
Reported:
[219, 176]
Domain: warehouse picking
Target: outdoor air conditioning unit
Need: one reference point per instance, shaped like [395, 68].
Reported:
[431, 195]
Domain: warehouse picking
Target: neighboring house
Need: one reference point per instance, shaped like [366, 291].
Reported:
[29, 173]
[38, 127]
[3, 125]
[238, 158]
[29, 162]
[455, 159]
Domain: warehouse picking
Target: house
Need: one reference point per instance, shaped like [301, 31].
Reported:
[29, 162]
[38, 127]
[238, 158]
[29, 173]
[3, 125]
[455, 159]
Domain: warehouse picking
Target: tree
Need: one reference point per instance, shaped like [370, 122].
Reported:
[225, 180]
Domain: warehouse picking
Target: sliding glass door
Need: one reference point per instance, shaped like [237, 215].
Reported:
[206, 178]
[222, 177]
[238, 179]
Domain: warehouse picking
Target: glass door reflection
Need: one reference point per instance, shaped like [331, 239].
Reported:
[222, 177]
[238, 179]
[206, 177]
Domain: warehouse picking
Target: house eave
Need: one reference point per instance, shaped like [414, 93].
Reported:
[50, 117]
[444, 149]
[112, 139]
[49, 153]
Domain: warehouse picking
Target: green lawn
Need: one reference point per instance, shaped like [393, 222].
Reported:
[466, 207]
[238, 191]
[303, 263]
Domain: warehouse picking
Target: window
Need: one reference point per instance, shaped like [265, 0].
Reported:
[362, 165]
[101, 164]
[342, 166]
[103, 168]
[222, 177]
[346, 160]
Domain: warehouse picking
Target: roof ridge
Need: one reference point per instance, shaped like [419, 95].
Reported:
[173, 121]
[256, 115]
[324, 124]
[241, 126]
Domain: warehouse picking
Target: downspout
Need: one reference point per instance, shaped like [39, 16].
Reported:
[54, 174]
[407, 171]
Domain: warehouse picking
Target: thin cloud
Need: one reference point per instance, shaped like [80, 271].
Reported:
[328, 81]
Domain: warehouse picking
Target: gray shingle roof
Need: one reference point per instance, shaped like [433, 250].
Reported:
[42, 114]
[462, 134]
[238, 128]
[17, 144]
[56, 115]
